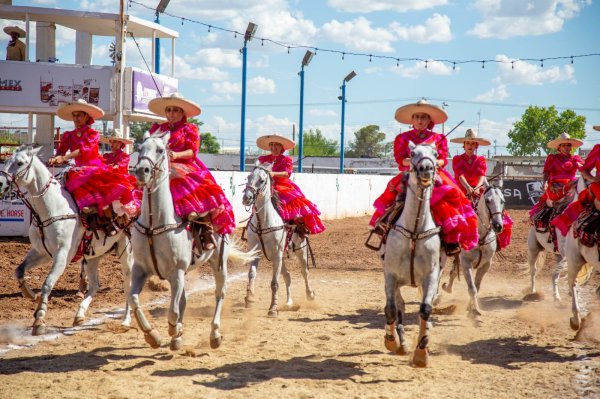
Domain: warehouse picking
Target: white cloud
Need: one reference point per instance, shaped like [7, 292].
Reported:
[358, 35]
[269, 124]
[321, 112]
[226, 88]
[497, 93]
[525, 73]
[365, 6]
[435, 29]
[261, 85]
[419, 68]
[216, 57]
[509, 18]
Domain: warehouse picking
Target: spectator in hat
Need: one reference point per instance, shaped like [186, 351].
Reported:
[15, 50]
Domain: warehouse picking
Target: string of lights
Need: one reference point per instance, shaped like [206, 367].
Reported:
[343, 54]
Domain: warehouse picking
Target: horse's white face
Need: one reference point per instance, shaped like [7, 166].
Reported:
[494, 201]
[257, 180]
[152, 161]
[423, 160]
[17, 166]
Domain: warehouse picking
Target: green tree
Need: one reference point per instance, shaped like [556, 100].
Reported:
[209, 144]
[368, 142]
[539, 125]
[315, 144]
[137, 131]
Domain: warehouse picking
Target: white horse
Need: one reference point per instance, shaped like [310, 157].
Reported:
[577, 256]
[489, 209]
[412, 255]
[164, 246]
[267, 230]
[538, 242]
[56, 233]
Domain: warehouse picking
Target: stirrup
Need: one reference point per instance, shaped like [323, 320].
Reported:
[371, 246]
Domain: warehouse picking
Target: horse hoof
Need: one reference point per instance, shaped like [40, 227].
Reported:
[176, 343]
[575, 323]
[392, 342]
[447, 288]
[402, 349]
[153, 338]
[39, 327]
[249, 302]
[273, 313]
[310, 296]
[533, 297]
[78, 321]
[421, 357]
[80, 294]
[216, 342]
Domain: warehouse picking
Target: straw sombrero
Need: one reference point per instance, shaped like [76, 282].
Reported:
[404, 114]
[263, 142]
[158, 105]
[470, 135]
[597, 127]
[65, 110]
[10, 29]
[116, 137]
[562, 139]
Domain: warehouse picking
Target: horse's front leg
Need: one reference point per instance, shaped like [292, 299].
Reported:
[250, 297]
[177, 308]
[277, 265]
[125, 252]
[575, 263]
[534, 251]
[33, 259]
[303, 257]
[473, 310]
[59, 263]
[453, 274]
[138, 279]
[91, 271]
[561, 266]
[429, 284]
[394, 330]
[220, 275]
[287, 279]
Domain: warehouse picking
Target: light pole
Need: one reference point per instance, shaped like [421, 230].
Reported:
[343, 98]
[250, 31]
[305, 61]
[161, 8]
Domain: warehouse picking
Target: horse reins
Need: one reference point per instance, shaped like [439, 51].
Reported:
[483, 241]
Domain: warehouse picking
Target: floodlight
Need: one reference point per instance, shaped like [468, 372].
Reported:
[350, 76]
[250, 31]
[307, 58]
[162, 6]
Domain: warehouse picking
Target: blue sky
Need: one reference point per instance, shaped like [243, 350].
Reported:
[490, 99]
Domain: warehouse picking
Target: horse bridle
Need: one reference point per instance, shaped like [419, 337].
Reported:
[254, 190]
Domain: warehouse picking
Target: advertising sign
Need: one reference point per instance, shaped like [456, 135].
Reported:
[15, 218]
[40, 87]
[522, 193]
[147, 86]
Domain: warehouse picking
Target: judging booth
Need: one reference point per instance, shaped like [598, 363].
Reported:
[37, 86]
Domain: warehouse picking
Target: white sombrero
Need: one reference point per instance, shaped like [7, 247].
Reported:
[65, 111]
[158, 105]
[263, 142]
[470, 135]
[562, 139]
[116, 137]
[10, 29]
[404, 114]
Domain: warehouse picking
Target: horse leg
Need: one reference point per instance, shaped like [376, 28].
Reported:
[277, 264]
[220, 289]
[575, 262]
[125, 253]
[561, 266]
[250, 298]
[33, 259]
[59, 263]
[302, 257]
[534, 251]
[429, 285]
[453, 274]
[83, 282]
[176, 309]
[138, 279]
[287, 278]
[91, 271]
[473, 309]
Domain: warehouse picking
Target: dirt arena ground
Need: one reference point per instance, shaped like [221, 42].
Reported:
[332, 347]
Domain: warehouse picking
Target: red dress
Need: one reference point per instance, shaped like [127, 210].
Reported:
[561, 170]
[91, 182]
[193, 187]
[118, 158]
[450, 208]
[471, 167]
[293, 203]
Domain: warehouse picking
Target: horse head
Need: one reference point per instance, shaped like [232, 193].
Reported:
[152, 160]
[18, 166]
[494, 202]
[256, 183]
[423, 162]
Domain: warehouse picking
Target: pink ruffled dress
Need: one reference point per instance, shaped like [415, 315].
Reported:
[294, 204]
[193, 187]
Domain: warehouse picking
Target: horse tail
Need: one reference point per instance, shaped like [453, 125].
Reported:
[236, 253]
[584, 275]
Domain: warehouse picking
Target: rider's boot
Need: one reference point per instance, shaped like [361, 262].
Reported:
[452, 248]
[301, 229]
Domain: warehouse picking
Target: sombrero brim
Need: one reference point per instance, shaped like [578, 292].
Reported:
[107, 140]
[477, 140]
[597, 127]
[65, 111]
[158, 105]
[556, 142]
[263, 142]
[9, 29]
[404, 114]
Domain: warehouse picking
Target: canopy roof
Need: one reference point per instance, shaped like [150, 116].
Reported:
[95, 23]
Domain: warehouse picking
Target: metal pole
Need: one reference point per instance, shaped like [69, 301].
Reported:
[243, 124]
[343, 114]
[157, 49]
[300, 134]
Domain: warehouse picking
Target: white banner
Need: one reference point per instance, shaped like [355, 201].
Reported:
[15, 218]
[39, 87]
